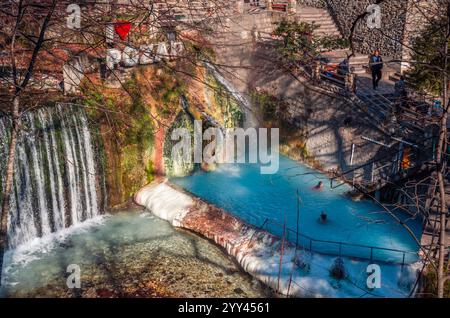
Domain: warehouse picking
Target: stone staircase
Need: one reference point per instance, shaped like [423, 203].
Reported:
[319, 17]
[381, 102]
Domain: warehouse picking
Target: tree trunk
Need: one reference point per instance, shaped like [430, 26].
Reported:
[442, 238]
[443, 202]
[441, 166]
[9, 181]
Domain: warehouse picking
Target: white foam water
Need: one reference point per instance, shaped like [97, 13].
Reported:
[55, 184]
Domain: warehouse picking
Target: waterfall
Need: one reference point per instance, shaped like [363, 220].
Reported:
[55, 182]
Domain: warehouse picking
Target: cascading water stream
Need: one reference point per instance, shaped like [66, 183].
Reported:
[250, 119]
[55, 184]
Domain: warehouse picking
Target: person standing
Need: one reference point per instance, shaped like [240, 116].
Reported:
[376, 65]
[343, 67]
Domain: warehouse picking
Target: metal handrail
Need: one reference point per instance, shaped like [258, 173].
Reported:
[375, 170]
[341, 244]
[268, 221]
[341, 175]
[376, 160]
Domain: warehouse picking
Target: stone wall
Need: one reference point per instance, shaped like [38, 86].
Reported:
[393, 19]
[322, 4]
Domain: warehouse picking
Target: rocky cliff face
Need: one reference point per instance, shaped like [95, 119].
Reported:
[136, 123]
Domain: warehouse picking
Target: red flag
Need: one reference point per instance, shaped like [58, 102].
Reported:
[122, 28]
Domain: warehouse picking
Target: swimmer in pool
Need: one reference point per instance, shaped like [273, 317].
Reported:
[323, 217]
[319, 185]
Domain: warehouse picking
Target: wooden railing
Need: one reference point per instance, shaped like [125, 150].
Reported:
[327, 72]
[282, 7]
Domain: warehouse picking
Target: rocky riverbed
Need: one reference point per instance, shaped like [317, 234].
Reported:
[130, 254]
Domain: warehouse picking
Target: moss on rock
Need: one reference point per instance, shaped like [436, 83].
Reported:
[127, 129]
[225, 107]
[175, 165]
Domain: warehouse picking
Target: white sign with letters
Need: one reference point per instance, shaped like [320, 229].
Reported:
[144, 55]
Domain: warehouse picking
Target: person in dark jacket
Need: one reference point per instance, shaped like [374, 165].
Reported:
[376, 65]
[343, 67]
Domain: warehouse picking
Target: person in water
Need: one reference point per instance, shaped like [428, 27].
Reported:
[323, 217]
[319, 185]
